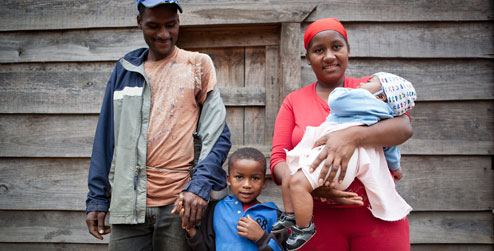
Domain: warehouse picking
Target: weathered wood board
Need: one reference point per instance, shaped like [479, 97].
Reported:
[79, 87]
[469, 131]
[109, 45]
[57, 55]
[104, 247]
[70, 14]
[63, 14]
[419, 40]
[427, 227]
[422, 40]
[433, 79]
[52, 247]
[431, 183]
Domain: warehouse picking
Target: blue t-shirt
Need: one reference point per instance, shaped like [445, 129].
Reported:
[228, 212]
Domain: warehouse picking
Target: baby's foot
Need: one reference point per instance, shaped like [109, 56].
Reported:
[284, 222]
[300, 236]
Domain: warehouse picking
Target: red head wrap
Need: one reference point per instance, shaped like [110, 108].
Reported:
[323, 25]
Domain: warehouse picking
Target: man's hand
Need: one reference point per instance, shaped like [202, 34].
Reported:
[249, 228]
[193, 207]
[398, 174]
[96, 224]
[178, 206]
[342, 197]
[338, 148]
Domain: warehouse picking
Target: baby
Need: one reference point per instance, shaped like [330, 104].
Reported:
[384, 96]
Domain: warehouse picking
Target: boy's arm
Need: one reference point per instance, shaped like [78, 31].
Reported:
[204, 238]
[250, 229]
[272, 241]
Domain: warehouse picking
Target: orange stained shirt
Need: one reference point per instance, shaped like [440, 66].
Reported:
[179, 86]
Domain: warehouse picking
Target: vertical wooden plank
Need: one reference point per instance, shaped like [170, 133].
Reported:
[255, 59]
[254, 125]
[273, 92]
[229, 64]
[235, 121]
[255, 72]
[290, 57]
[230, 67]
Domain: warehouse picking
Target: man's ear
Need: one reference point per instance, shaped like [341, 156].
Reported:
[139, 22]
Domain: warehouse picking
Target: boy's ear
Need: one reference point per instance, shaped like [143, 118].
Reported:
[228, 179]
[307, 58]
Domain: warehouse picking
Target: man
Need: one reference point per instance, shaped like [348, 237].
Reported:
[143, 151]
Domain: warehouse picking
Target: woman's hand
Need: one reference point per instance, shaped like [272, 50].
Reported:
[342, 197]
[339, 148]
[249, 228]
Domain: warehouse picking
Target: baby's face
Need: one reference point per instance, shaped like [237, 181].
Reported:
[373, 85]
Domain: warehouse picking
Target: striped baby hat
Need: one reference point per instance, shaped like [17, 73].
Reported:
[399, 91]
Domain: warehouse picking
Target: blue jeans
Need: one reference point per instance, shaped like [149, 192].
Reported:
[160, 231]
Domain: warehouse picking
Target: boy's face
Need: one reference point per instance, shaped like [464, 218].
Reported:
[160, 26]
[246, 180]
[373, 85]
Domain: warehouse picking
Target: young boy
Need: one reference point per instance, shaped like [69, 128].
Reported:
[384, 96]
[240, 221]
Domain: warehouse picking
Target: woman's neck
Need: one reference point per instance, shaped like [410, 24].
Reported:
[324, 89]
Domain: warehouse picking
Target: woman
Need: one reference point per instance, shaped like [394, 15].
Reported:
[343, 223]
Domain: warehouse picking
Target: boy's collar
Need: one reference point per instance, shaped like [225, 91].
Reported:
[269, 204]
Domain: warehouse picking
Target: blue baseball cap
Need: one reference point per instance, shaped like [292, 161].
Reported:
[153, 3]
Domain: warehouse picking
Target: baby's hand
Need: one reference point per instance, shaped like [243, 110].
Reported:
[248, 228]
[398, 174]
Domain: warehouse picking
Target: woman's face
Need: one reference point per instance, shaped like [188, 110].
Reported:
[328, 54]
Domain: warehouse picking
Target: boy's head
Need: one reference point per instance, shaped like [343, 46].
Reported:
[395, 90]
[246, 173]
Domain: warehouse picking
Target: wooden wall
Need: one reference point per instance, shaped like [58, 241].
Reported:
[56, 56]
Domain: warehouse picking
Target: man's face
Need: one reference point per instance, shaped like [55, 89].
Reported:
[160, 26]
